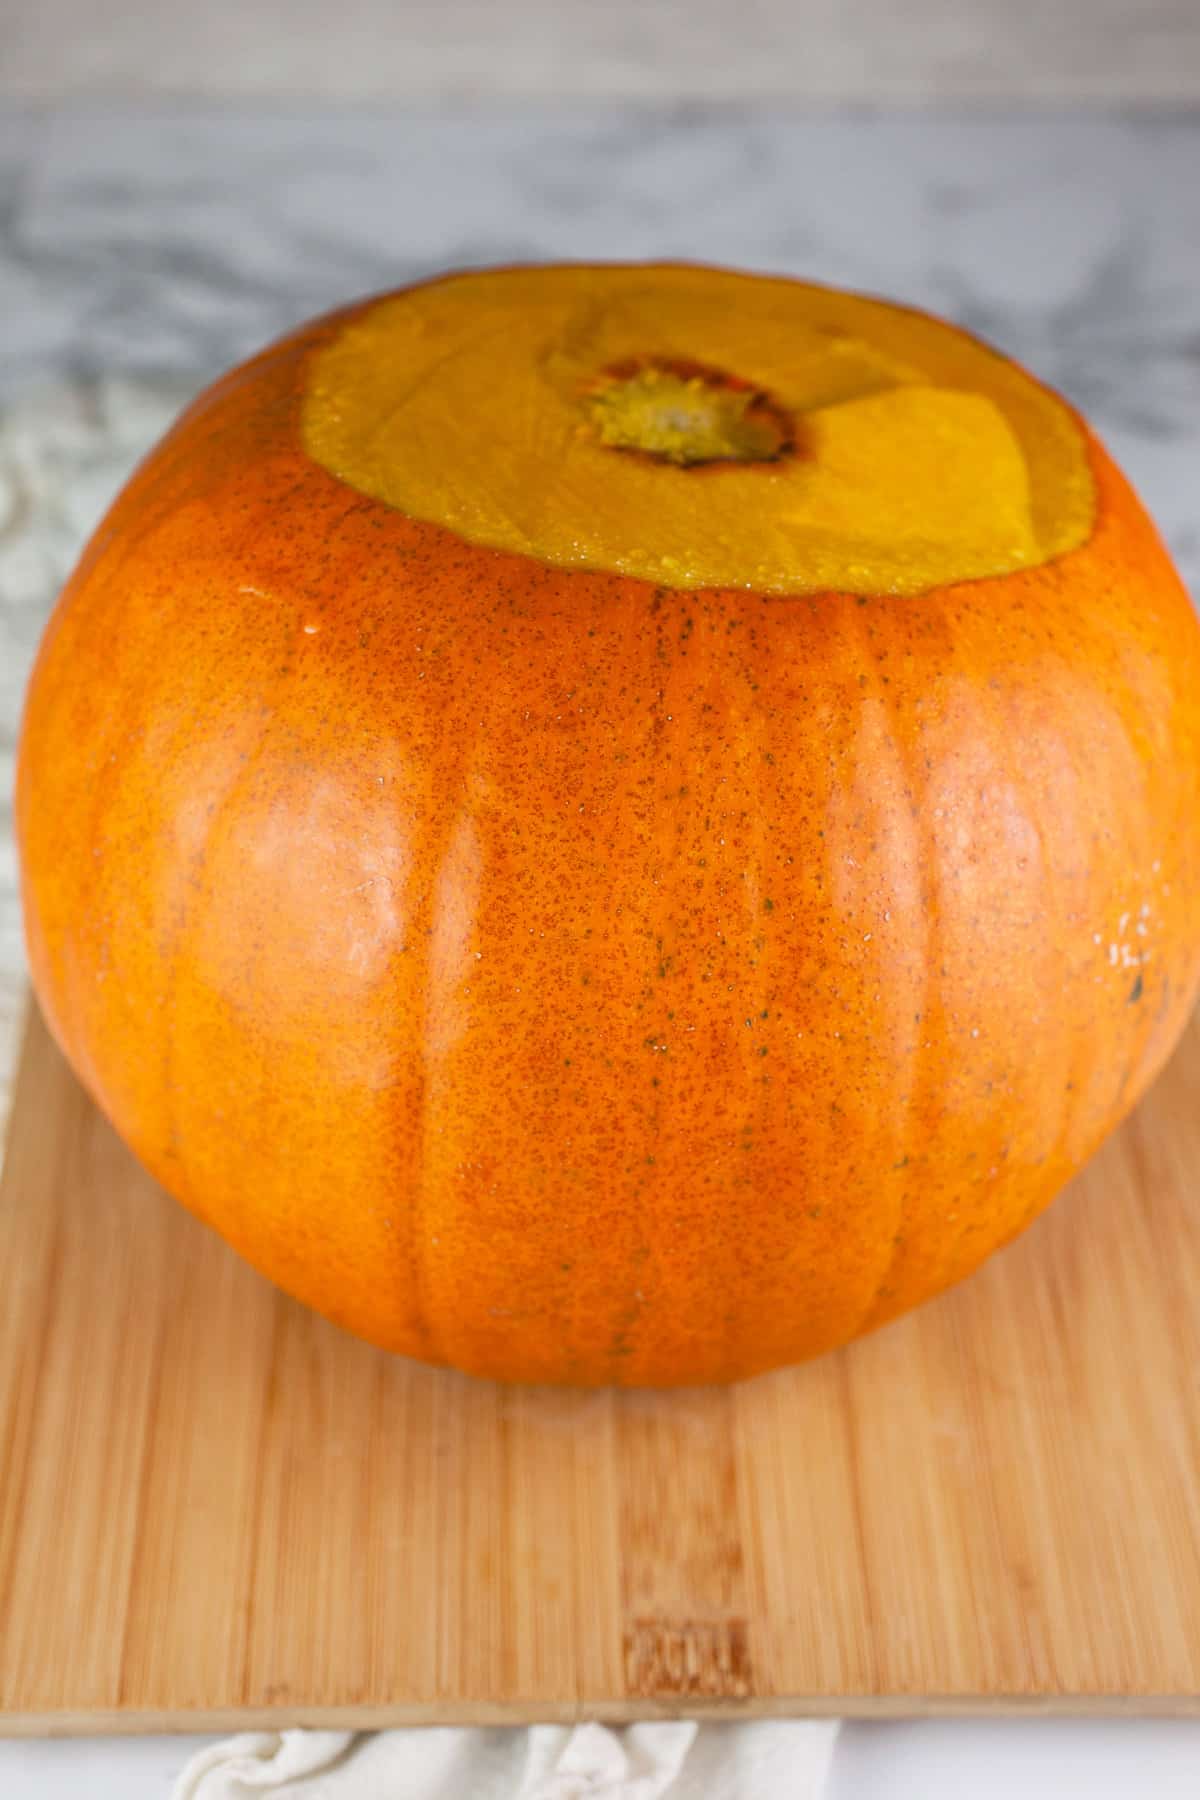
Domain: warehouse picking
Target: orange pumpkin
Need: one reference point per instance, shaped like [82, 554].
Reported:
[617, 824]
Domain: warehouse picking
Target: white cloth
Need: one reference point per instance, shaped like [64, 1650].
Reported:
[777, 1759]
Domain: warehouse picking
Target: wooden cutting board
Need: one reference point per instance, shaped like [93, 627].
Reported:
[217, 1510]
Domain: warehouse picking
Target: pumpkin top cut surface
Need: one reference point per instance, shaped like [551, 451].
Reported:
[700, 429]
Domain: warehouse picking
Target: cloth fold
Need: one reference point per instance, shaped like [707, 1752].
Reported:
[773, 1759]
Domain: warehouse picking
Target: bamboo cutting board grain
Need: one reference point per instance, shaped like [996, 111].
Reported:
[218, 1510]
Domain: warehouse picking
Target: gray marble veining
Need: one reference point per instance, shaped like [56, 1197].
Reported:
[141, 252]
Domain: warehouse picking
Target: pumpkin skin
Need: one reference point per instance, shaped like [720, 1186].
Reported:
[569, 977]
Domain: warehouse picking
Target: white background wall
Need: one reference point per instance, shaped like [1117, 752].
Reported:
[1136, 51]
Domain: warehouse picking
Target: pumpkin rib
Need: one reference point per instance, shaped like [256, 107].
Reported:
[223, 808]
[918, 1079]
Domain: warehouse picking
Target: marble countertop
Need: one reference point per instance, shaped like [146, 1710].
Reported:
[142, 251]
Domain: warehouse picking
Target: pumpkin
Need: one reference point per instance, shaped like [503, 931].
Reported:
[617, 824]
